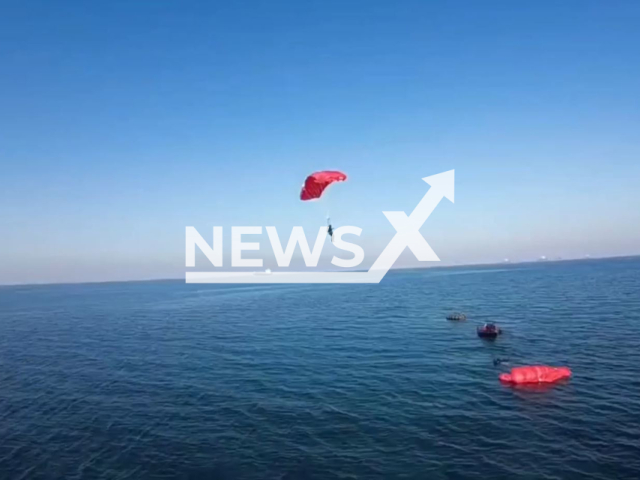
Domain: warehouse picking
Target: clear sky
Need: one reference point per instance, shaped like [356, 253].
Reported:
[123, 122]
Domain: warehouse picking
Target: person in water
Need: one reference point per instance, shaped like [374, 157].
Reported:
[498, 361]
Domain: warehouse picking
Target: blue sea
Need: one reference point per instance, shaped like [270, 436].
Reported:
[163, 380]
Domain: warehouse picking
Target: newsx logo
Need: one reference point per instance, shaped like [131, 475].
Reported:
[407, 235]
[283, 256]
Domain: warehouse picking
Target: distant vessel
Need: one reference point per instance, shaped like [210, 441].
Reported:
[489, 330]
[266, 272]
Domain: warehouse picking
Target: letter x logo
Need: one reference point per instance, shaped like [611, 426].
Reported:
[408, 227]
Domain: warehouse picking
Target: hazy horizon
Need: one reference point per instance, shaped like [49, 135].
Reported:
[433, 265]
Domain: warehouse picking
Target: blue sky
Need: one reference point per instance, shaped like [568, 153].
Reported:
[123, 122]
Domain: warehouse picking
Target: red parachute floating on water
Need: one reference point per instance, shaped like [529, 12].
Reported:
[535, 374]
[316, 183]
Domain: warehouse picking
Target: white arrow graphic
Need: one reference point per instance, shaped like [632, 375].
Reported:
[408, 228]
[407, 235]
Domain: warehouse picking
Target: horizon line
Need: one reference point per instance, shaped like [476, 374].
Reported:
[393, 269]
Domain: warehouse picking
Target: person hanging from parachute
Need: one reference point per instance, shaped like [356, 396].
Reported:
[330, 229]
[315, 185]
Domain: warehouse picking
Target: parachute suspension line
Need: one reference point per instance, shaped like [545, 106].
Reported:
[325, 206]
[326, 200]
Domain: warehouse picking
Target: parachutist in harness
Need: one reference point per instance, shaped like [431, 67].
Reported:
[316, 183]
[330, 230]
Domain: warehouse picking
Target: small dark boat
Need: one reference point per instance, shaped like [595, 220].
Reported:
[458, 317]
[489, 330]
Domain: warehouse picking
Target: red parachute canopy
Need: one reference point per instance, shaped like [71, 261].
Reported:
[316, 183]
[535, 374]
